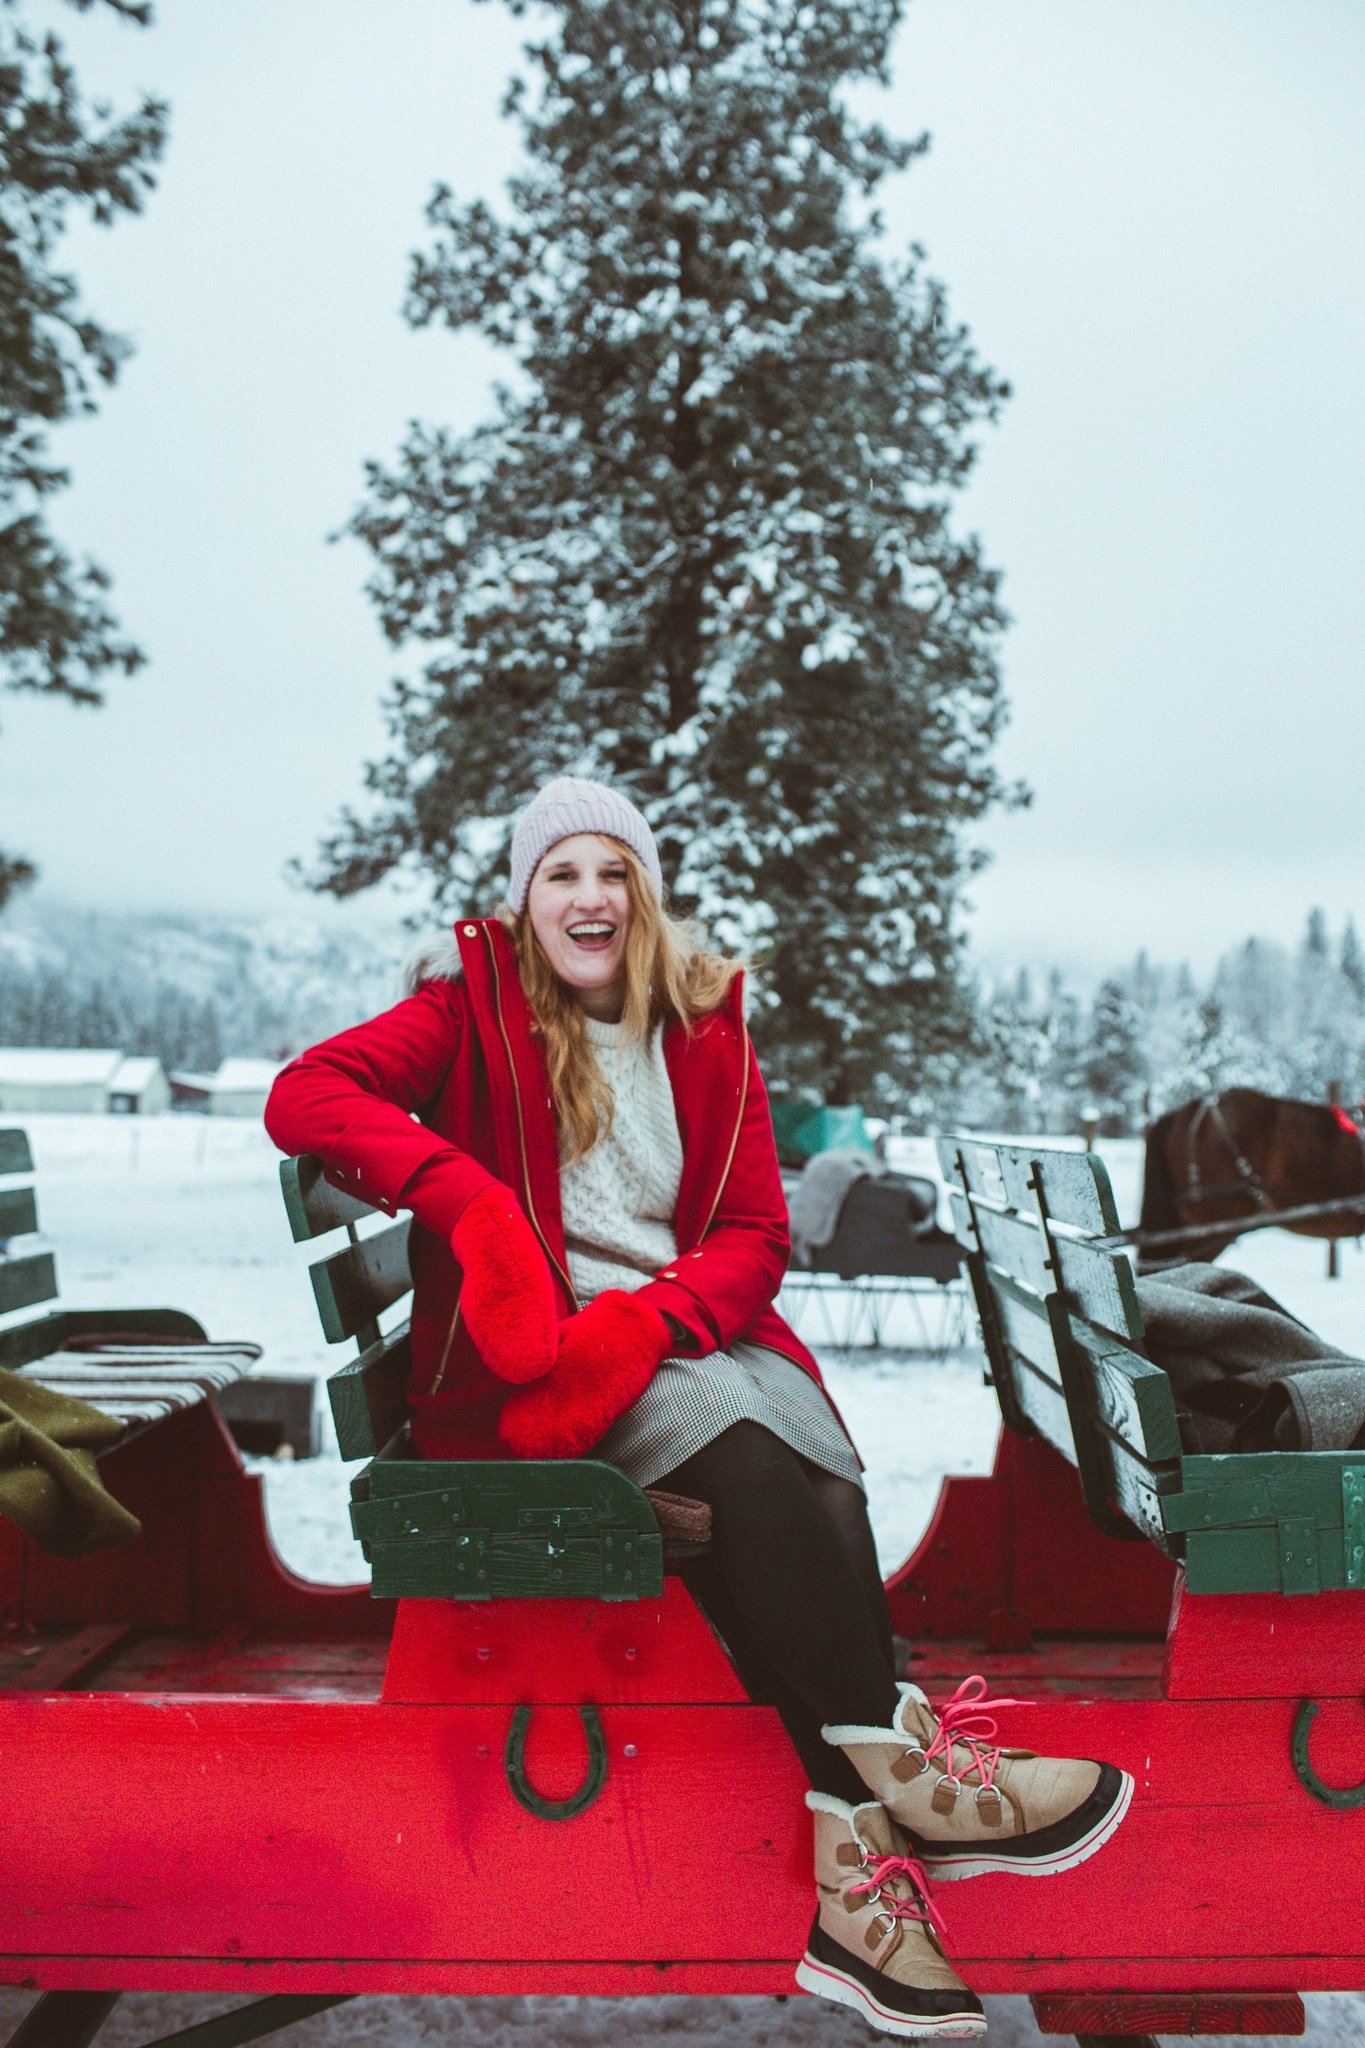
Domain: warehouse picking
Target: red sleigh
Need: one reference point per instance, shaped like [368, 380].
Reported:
[219, 1778]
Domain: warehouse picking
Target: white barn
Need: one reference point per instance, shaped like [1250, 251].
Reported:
[239, 1088]
[139, 1087]
[72, 1078]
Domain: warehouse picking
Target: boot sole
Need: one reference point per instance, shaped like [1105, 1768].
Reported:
[823, 1982]
[979, 1862]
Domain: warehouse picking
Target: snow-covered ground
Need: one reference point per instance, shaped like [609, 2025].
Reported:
[185, 1212]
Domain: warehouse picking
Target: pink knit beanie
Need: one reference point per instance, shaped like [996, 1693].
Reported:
[568, 805]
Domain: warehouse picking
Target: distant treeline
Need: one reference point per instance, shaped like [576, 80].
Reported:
[42, 1007]
[1150, 1037]
[192, 991]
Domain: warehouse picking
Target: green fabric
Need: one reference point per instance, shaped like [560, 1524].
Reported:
[802, 1128]
[48, 1482]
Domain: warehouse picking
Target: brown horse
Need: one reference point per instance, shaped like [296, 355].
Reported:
[1240, 1153]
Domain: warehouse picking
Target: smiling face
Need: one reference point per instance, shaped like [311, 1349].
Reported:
[579, 907]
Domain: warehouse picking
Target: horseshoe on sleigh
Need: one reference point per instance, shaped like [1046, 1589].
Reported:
[514, 1763]
[1339, 1797]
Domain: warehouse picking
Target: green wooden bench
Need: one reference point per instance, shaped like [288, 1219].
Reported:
[455, 1529]
[135, 1364]
[1063, 1335]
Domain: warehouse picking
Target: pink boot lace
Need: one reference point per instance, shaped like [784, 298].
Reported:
[881, 1871]
[966, 1718]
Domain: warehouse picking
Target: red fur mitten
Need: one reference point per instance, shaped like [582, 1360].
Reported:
[507, 1298]
[608, 1354]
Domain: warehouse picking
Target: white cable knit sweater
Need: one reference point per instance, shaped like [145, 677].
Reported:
[621, 1199]
[619, 1207]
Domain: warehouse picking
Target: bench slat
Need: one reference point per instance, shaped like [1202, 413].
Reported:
[1044, 1403]
[1023, 1344]
[504, 1530]
[1129, 1400]
[1132, 1397]
[1220, 1507]
[1075, 1185]
[18, 1212]
[368, 1396]
[1023, 1321]
[1010, 1242]
[1292, 1555]
[1100, 1282]
[23, 1282]
[16, 1154]
[1291, 1478]
[1133, 1488]
[27, 1341]
[312, 1204]
[354, 1286]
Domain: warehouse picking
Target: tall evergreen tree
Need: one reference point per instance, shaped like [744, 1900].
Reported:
[57, 633]
[1316, 945]
[1115, 1070]
[1351, 962]
[1063, 1078]
[703, 548]
[1017, 1054]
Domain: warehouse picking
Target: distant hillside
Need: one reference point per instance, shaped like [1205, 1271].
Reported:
[192, 990]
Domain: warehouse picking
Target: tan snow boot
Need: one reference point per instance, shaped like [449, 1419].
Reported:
[970, 1806]
[873, 1945]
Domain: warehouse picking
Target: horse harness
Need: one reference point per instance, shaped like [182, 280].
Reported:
[1248, 1181]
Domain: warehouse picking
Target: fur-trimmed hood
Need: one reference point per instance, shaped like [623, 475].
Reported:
[435, 959]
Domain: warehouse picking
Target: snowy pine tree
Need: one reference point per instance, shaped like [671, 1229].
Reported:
[58, 155]
[1008, 1084]
[703, 548]
[1351, 963]
[1115, 1068]
[1063, 1079]
[1320, 1047]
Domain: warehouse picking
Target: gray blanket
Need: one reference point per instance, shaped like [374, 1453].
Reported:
[818, 1198]
[1247, 1375]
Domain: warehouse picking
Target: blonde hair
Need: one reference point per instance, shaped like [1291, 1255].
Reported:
[668, 973]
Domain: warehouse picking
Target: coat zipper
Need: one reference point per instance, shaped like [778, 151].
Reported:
[521, 1126]
[734, 1141]
[445, 1350]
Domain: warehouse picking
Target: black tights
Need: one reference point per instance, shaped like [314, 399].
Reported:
[794, 1587]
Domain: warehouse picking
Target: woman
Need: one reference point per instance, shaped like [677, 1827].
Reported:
[575, 1117]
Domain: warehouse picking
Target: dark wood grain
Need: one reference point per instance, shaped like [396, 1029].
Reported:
[312, 1204]
[356, 1285]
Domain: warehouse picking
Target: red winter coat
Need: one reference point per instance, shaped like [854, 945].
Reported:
[424, 1105]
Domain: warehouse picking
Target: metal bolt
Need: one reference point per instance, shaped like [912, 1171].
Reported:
[630, 1750]
[484, 1655]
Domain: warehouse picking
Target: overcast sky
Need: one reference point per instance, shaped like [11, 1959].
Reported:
[1149, 212]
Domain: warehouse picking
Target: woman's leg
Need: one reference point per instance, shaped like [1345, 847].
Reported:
[799, 1589]
[795, 1562]
[846, 1506]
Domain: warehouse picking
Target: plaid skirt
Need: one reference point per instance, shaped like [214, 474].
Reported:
[690, 1401]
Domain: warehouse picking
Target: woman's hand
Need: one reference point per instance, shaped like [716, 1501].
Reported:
[507, 1297]
[608, 1354]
